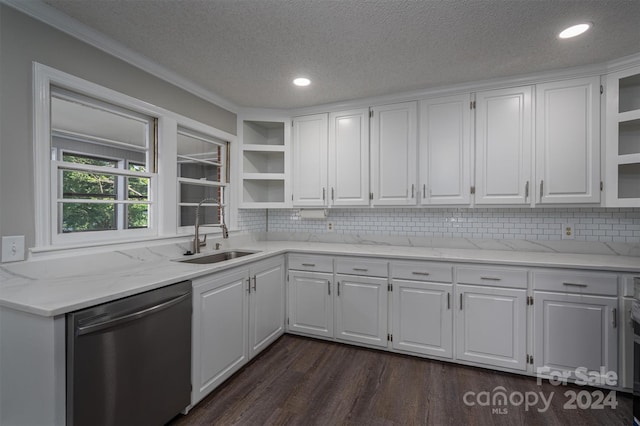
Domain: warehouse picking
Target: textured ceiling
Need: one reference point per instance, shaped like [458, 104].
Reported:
[248, 51]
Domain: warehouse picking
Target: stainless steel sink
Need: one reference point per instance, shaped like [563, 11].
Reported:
[218, 257]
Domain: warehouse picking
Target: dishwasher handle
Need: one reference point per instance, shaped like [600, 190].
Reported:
[130, 317]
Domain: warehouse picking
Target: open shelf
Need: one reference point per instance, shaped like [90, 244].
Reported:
[262, 191]
[629, 181]
[263, 133]
[629, 96]
[263, 162]
[623, 139]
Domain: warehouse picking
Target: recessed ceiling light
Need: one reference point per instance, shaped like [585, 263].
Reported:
[301, 81]
[575, 30]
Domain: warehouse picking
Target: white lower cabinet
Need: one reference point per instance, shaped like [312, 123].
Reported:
[422, 317]
[491, 326]
[504, 317]
[311, 303]
[220, 327]
[575, 331]
[266, 304]
[236, 314]
[361, 309]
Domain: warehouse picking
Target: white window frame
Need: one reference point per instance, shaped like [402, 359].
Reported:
[163, 221]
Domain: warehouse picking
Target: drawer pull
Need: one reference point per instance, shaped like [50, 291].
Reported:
[461, 300]
[309, 264]
[360, 269]
[615, 318]
[448, 300]
[421, 273]
[574, 285]
[329, 287]
[338, 288]
[491, 278]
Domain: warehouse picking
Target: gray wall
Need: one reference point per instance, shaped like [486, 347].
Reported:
[24, 40]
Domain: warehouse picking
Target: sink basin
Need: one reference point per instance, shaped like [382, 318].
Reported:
[217, 257]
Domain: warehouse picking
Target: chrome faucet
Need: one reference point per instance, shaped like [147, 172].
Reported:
[197, 243]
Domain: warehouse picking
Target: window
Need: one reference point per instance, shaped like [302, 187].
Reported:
[202, 175]
[102, 162]
[106, 166]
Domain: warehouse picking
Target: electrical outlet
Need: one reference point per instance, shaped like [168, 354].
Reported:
[330, 226]
[568, 231]
[12, 248]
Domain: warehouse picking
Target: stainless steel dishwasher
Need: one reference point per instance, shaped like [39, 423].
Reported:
[129, 361]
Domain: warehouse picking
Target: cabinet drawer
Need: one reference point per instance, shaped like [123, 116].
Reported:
[493, 276]
[359, 266]
[576, 281]
[306, 262]
[422, 271]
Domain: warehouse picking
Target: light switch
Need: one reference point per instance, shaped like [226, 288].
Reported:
[12, 248]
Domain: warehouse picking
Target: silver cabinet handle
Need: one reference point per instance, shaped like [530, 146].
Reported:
[360, 269]
[255, 280]
[413, 190]
[421, 273]
[324, 194]
[338, 288]
[309, 264]
[541, 189]
[615, 318]
[526, 191]
[424, 190]
[448, 300]
[461, 300]
[491, 278]
[329, 287]
[574, 285]
[332, 194]
[248, 285]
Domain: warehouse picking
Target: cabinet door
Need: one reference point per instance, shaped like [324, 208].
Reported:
[568, 141]
[423, 317]
[219, 330]
[361, 309]
[503, 146]
[572, 331]
[393, 154]
[445, 150]
[310, 160]
[491, 326]
[266, 304]
[311, 303]
[349, 158]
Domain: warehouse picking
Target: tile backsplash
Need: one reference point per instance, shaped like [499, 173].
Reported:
[620, 225]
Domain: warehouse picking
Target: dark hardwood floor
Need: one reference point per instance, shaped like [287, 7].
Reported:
[302, 381]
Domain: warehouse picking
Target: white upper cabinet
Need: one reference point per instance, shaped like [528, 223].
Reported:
[310, 160]
[393, 154]
[445, 150]
[503, 146]
[349, 158]
[568, 141]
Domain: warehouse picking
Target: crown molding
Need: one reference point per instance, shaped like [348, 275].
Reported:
[615, 65]
[41, 11]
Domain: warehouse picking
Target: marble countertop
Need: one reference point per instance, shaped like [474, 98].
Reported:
[57, 285]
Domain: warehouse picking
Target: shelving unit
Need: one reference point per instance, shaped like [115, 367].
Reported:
[265, 147]
[623, 138]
